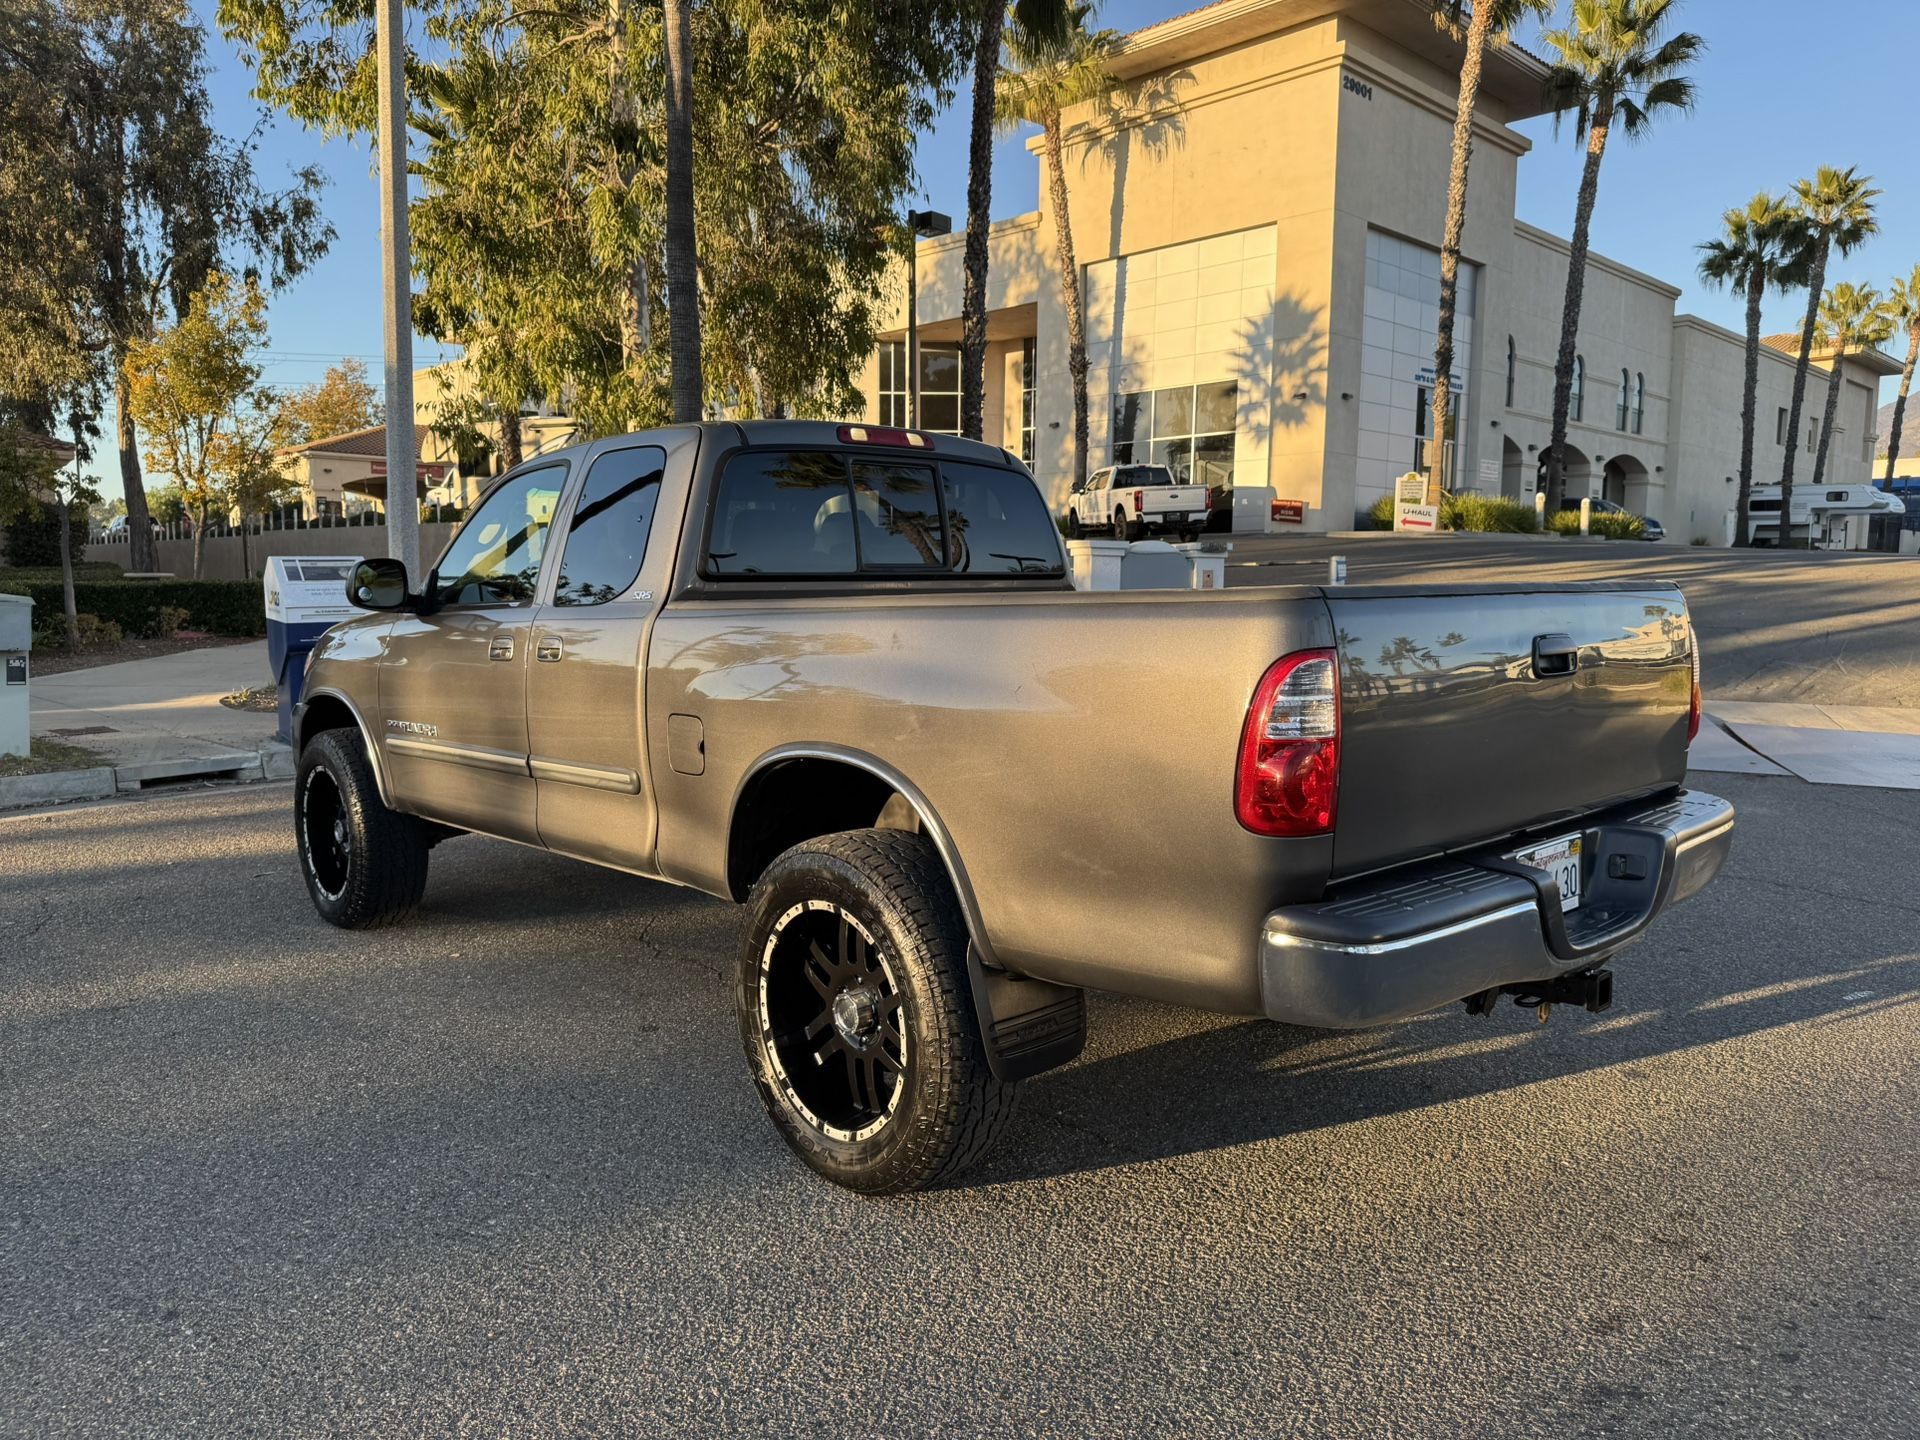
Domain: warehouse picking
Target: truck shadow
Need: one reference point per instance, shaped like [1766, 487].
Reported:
[1221, 1084]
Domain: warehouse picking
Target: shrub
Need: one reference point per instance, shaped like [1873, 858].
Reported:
[1602, 524]
[95, 633]
[168, 619]
[1699, 540]
[222, 607]
[33, 535]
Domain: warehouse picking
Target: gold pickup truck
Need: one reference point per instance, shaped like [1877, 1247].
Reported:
[838, 673]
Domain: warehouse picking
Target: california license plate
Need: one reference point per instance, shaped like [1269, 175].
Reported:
[1560, 859]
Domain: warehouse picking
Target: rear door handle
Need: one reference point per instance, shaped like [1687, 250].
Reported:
[1555, 655]
[501, 649]
[548, 648]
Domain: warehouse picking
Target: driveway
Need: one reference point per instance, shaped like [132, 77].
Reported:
[502, 1171]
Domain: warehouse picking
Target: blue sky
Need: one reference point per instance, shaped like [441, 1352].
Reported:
[1658, 198]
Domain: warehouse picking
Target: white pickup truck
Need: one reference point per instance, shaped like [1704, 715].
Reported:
[1136, 500]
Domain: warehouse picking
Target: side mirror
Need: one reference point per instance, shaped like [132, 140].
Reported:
[379, 583]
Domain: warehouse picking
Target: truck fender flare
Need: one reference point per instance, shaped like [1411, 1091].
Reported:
[375, 758]
[930, 823]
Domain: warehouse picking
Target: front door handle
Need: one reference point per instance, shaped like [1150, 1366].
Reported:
[548, 648]
[501, 649]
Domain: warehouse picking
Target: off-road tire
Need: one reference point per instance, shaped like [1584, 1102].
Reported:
[949, 1106]
[384, 871]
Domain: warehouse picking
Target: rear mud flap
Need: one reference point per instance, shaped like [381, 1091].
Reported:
[1029, 1026]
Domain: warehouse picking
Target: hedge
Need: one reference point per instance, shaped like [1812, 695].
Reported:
[32, 537]
[223, 607]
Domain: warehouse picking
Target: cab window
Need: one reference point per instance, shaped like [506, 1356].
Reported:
[495, 559]
[606, 536]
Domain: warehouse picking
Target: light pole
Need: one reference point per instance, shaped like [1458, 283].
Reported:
[396, 273]
[928, 223]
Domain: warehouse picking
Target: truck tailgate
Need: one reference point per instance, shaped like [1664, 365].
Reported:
[1172, 499]
[1453, 733]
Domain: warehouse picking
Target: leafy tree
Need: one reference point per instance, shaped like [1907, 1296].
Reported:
[1852, 317]
[1049, 19]
[341, 401]
[1836, 213]
[153, 198]
[184, 387]
[1491, 22]
[1049, 75]
[1903, 309]
[1613, 66]
[1761, 246]
[541, 237]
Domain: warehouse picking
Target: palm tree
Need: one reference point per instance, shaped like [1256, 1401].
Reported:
[682, 255]
[1852, 317]
[1490, 22]
[1903, 309]
[1051, 18]
[1612, 65]
[1762, 246]
[1836, 213]
[1048, 76]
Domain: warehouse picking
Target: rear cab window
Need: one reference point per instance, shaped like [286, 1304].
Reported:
[792, 513]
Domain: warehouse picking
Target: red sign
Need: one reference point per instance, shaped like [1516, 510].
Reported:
[1294, 511]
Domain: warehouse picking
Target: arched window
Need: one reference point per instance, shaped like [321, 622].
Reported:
[1512, 365]
[1578, 408]
[1626, 394]
[1639, 399]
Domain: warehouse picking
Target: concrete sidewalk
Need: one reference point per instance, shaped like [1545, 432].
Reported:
[1821, 744]
[161, 718]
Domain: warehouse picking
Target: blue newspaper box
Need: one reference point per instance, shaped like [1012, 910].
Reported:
[306, 594]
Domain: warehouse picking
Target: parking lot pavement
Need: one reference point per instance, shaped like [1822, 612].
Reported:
[1778, 625]
[502, 1171]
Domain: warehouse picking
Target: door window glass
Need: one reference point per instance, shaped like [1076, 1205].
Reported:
[606, 536]
[495, 559]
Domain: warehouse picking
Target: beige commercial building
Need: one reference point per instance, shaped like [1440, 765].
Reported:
[1257, 219]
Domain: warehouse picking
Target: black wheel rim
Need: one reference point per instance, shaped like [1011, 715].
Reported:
[832, 1018]
[325, 836]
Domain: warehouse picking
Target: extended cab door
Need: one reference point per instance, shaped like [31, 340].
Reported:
[453, 679]
[586, 683]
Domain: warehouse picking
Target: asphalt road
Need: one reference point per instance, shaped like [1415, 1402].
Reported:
[502, 1172]
[1816, 626]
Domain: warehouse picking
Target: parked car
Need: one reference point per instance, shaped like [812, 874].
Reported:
[1654, 529]
[1137, 500]
[839, 675]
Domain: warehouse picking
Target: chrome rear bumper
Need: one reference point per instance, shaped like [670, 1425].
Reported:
[1392, 945]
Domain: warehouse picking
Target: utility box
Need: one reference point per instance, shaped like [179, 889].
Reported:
[1253, 510]
[306, 596]
[16, 645]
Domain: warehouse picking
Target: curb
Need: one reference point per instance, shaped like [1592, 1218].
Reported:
[272, 761]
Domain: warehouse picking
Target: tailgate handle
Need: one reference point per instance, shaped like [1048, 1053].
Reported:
[1555, 655]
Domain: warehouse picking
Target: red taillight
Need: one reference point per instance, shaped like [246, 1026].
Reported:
[1288, 779]
[882, 435]
[1209, 500]
[1139, 502]
[1693, 703]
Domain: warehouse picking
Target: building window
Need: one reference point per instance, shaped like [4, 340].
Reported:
[893, 383]
[1513, 361]
[1422, 426]
[1026, 401]
[940, 388]
[1626, 395]
[1780, 426]
[1577, 409]
[1189, 429]
[1639, 399]
[1813, 435]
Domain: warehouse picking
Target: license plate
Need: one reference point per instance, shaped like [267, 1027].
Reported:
[1561, 859]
